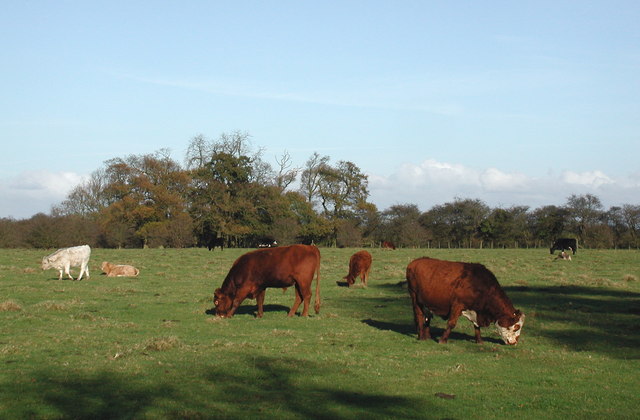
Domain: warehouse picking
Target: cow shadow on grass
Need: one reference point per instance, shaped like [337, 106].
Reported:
[253, 309]
[582, 318]
[408, 329]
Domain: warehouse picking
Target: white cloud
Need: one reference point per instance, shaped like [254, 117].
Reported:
[495, 180]
[431, 182]
[35, 192]
[593, 179]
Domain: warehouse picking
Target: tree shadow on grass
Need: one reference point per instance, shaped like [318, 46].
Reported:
[298, 388]
[250, 387]
[102, 395]
[583, 318]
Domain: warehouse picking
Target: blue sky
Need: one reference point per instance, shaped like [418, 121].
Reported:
[509, 103]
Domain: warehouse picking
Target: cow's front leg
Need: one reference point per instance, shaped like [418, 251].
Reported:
[67, 271]
[237, 300]
[260, 300]
[478, 337]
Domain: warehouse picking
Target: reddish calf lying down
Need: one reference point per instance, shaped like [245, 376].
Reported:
[113, 270]
[359, 265]
[450, 289]
[280, 267]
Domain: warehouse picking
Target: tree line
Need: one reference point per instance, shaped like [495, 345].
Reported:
[226, 190]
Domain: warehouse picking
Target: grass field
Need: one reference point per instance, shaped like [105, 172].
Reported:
[145, 347]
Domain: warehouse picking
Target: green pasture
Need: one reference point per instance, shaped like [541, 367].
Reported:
[146, 347]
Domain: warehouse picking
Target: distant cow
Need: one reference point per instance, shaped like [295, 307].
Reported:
[388, 245]
[565, 243]
[65, 258]
[269, 243]
[252, 273]
[450, 289]
[359, 265]
[213, 242]
[113, 270]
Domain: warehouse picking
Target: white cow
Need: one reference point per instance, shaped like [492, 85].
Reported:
[65, 258]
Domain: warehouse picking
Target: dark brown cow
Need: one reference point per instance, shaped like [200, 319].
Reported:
[281, 267]
[450, 289]
[359, 265]
[388, 245]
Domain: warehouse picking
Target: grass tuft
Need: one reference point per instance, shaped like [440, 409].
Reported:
[162, 343]
[10, 306]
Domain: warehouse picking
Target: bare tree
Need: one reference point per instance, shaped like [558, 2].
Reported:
[85, 199]
[286, 174]
[312, 176]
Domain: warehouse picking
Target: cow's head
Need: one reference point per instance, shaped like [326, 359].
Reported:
[46, 263]
[222, 303]
[509, 327]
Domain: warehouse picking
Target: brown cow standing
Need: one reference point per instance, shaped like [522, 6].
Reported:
[282, 267]
[450, 289]
[359, 265]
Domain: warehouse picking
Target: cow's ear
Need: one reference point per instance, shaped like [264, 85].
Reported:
[217, 292]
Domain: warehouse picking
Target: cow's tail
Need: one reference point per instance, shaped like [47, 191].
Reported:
[317, 304]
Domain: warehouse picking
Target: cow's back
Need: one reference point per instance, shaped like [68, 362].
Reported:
[359, 264]
[275, 267]
[438, 283]
[75, 255]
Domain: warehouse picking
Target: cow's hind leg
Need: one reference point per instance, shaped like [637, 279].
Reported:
[456, 311]
[365, 277]
[84, 269]
[296, 302]
[422, 319]
[303, 294]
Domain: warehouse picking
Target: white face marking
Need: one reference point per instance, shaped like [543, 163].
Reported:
[510, 334]
[471, 316]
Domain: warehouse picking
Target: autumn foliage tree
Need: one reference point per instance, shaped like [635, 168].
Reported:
[227, 190]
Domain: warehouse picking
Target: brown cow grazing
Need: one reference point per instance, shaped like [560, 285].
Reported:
[283, 267]
[113, 270]
[388, 245]
[359, 265]
[450, 289]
